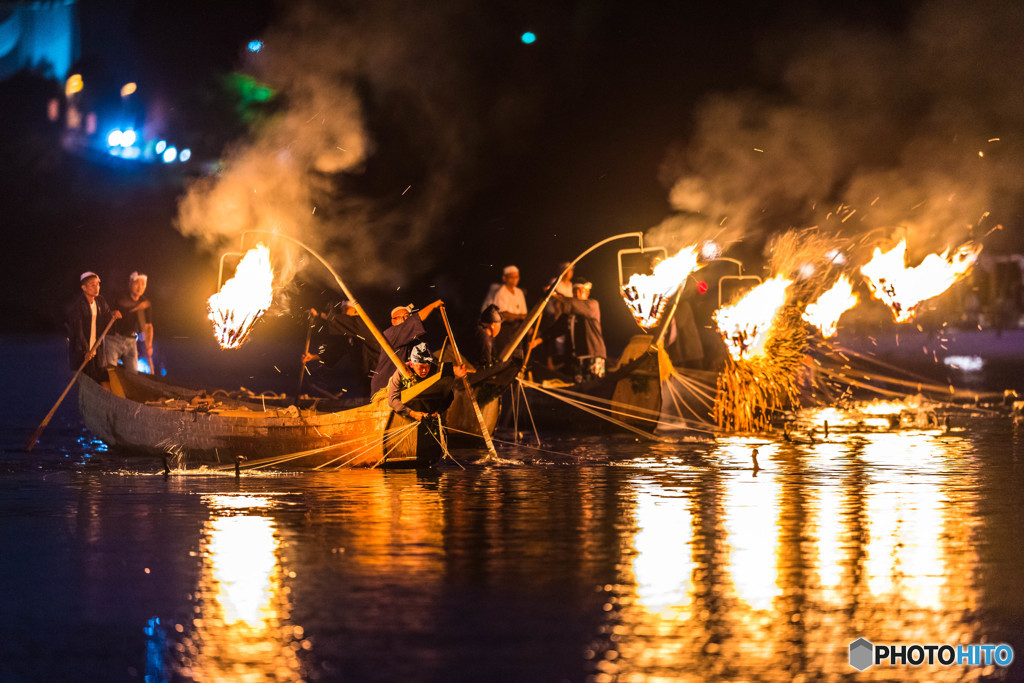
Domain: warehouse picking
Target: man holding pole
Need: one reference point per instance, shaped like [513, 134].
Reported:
[403, 334]
[88, 316]
[88, 321]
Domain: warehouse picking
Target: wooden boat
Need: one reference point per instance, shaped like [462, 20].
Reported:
[628, 396]
[144, 414]
[489, 385]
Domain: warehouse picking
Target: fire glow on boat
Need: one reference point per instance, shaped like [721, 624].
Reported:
[242, 299]
[646, 295]
[746, 324]
[902, 288]
[830, 306]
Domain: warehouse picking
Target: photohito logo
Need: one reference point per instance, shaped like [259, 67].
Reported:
[864, 654]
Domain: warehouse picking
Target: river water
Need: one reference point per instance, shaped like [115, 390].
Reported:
[591, 559]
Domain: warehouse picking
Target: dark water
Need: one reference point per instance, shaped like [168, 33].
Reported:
[603, 559]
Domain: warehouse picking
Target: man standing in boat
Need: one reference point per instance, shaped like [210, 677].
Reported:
[404, 333]
[136, 319]
[87, 317]
[350, 337]
[585, 331]
[421, 363]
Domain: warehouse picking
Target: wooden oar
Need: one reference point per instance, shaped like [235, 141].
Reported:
[305, 352]
[469, 389]
[49, 416]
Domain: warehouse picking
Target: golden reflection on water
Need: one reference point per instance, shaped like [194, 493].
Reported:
[241, 630]
[771, 577]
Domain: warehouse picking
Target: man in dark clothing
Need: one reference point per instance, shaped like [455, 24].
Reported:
[87, 317]
[585, 334]
[404, 333]
[486, 332]
[136, 321]
[350, 337]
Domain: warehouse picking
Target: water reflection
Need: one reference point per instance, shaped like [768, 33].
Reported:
[241, 630]
[868, 535]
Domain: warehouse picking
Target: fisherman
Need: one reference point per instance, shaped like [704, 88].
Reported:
[404, 333]
[486, 332]
[421, 363]
[121, 343]
[349, 336]
[510, 300]
[585, 334]
[87, 317]
[554, 323]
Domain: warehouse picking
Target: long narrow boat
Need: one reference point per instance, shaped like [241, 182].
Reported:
[143, 414]
[630, 397]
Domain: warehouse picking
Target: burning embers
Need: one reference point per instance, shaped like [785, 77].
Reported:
[826, 311]
[646, 295]
[746, 324]
[242, 299]
[902, 288]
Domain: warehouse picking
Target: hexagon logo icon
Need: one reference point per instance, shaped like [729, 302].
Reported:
[861, 654]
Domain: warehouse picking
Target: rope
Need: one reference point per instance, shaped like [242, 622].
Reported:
[442, 441]
[638, 413]
[587, 409]
[512, 443]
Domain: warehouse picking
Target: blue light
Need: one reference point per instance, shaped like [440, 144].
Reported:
[185, 154]
[160, 147]
[128, 138]
[170, 154]
[528, 38]
[114, 138]
[255, 45]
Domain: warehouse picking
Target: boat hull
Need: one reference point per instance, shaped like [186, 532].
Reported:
[146, 416]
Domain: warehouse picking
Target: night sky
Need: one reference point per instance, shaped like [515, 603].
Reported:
[423, 146]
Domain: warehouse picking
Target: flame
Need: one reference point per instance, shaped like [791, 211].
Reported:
[826, 311]
[745, 324]
[242, 299]
[902, 288]
[646, 295]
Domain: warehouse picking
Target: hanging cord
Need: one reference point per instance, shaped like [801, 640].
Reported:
[517, 445]
[637, 413]
[585, 408]
[442, 441]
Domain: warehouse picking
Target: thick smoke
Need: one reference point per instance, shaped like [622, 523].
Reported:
[308, 171]
[869, 134]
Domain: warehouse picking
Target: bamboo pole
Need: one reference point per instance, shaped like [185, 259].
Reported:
[402, 367]
[469, 389]
[49, 416]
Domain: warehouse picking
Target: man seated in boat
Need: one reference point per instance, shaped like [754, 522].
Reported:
[486, 332]
[404, 333]
[421, 363]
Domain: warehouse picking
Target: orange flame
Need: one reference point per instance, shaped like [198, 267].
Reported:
[902, 288]
[242, 299]
[830, 306]
[745, 325]
[646, 295]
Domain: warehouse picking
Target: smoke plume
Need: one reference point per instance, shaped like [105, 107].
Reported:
[867, 133]
[370, 200]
